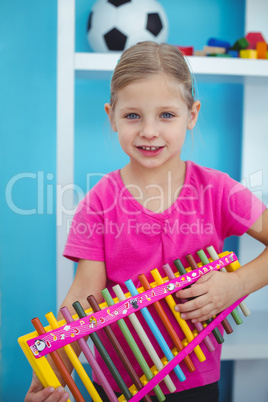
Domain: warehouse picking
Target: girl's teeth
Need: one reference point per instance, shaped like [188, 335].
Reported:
[150, 148]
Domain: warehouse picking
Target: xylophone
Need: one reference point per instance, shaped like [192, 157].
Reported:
[46, 341]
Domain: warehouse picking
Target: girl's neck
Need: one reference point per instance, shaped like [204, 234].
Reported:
[155, 189]
[138, 175]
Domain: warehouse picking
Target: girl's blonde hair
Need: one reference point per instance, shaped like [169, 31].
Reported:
[147, 58]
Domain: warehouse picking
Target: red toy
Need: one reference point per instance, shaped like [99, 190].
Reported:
[186, 50]
[253, 38]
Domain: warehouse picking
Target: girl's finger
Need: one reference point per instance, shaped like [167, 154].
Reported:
[197, 313]
[192, 291]
[205, 317]
[58, 395]
[48, 394]
[192, 305]
[37, 393]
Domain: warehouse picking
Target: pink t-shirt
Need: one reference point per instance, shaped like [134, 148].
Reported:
[111, 226]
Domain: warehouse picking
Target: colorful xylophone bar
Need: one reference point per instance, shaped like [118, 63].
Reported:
[44, 341]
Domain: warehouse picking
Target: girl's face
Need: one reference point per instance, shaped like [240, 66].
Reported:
[151, 119]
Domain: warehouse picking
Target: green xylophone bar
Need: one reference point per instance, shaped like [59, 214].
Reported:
[134, 347]
[119, 350]
[102, 351]
[91, 359]
[145, 340]
[169, 327]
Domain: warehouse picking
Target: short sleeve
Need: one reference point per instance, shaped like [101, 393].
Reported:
[86, 236]
[240, 208]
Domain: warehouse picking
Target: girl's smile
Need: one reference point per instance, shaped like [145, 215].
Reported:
[148, 151]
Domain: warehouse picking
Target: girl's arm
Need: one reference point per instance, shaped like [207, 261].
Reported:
[90, 278]
[216, 291]
[254, 274]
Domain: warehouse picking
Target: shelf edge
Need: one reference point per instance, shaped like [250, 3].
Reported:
[105, 62]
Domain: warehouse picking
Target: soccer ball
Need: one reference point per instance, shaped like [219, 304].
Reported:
[119, 24]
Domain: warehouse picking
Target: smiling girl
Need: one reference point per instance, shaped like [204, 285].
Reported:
[153, 199]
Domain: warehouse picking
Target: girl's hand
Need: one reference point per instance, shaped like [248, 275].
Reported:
[212, 294]
[37, 393]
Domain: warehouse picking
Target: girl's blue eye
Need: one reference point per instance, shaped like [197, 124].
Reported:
[166, 115]
[132, 116]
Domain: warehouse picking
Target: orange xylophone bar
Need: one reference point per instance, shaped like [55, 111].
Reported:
[164, 318]
[137, 395]
[60, 365]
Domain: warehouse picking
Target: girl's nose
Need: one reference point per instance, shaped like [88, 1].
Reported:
[149, 130]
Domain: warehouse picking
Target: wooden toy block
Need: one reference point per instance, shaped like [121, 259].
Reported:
[248, 54]
[199, 53]
[214, 50]
[261, 48]
[240, 44]
[253, 38]
[186, 50]
[218, 43]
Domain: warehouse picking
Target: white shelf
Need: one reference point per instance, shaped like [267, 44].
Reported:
[100, 65]
[96, 61]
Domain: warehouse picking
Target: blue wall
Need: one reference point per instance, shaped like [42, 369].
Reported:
[28, 148]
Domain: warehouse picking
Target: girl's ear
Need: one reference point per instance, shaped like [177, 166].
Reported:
[108, 110]
[193, 115]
